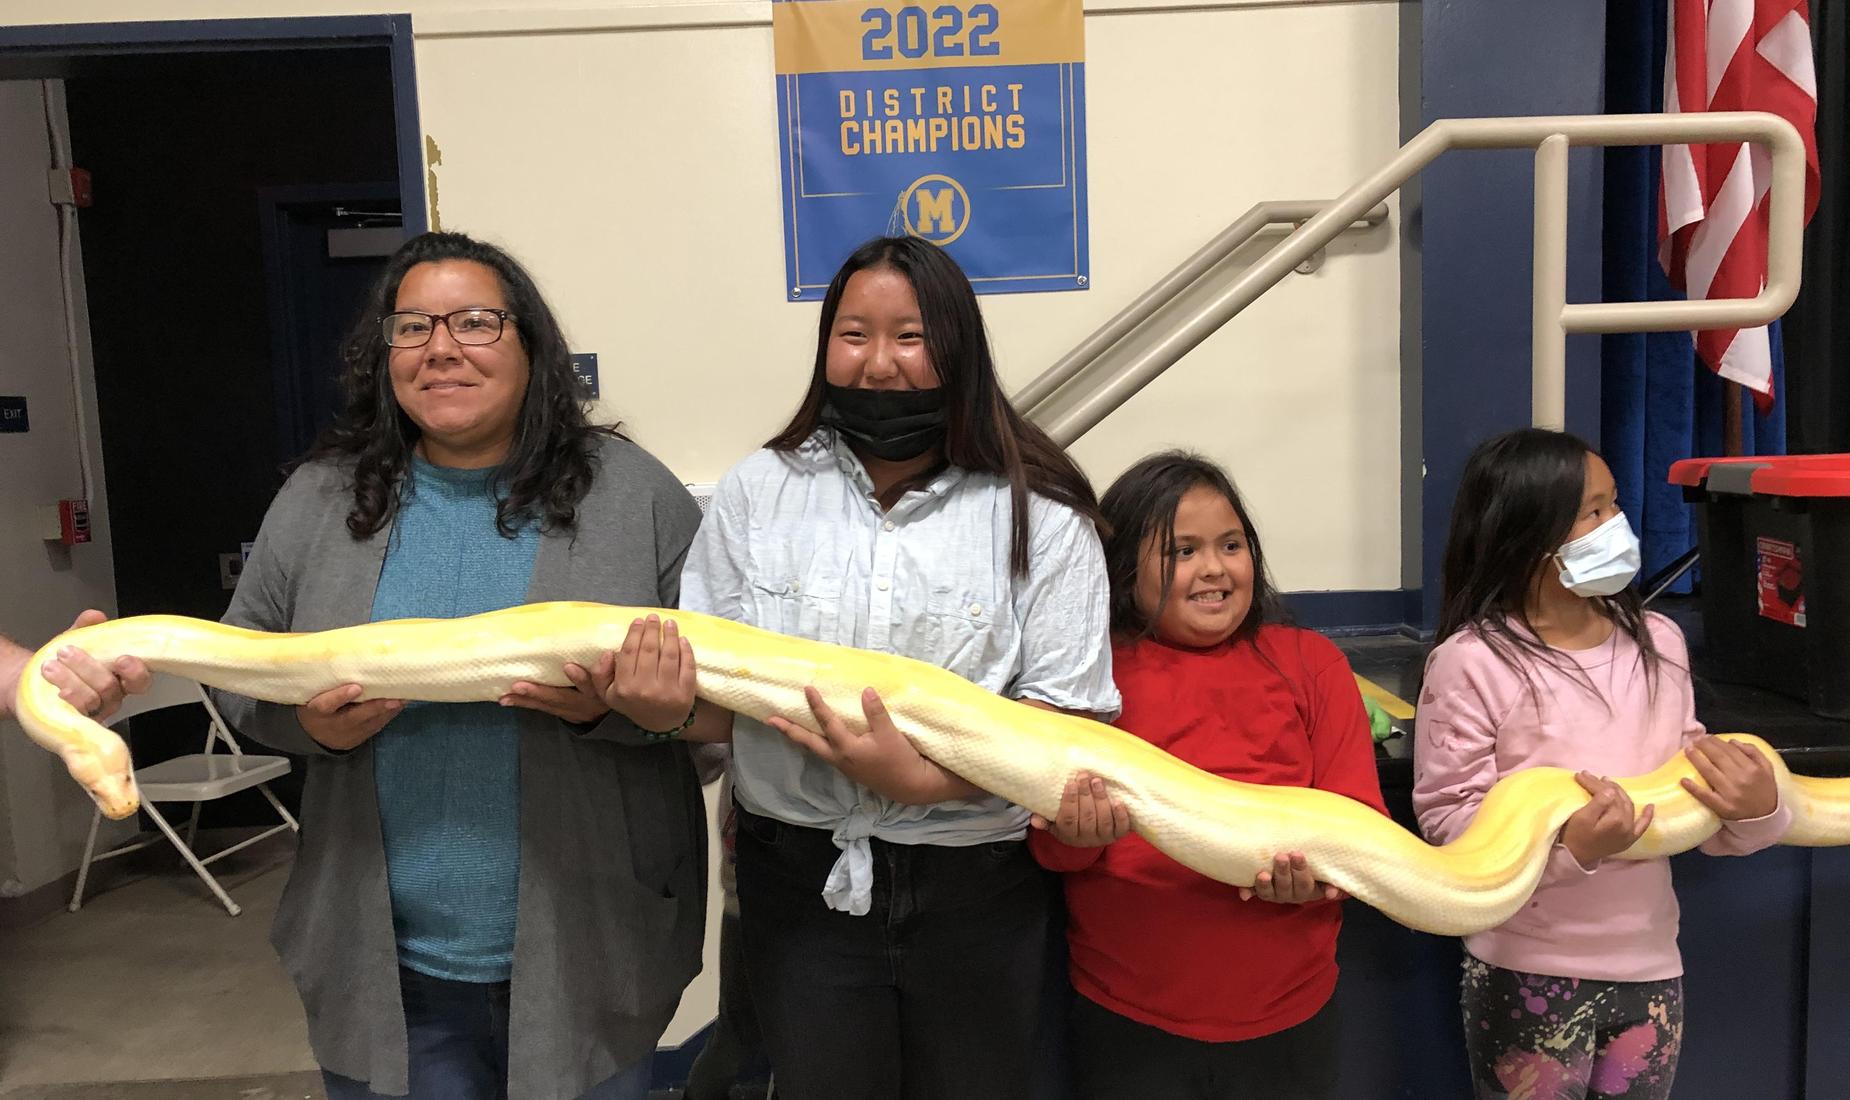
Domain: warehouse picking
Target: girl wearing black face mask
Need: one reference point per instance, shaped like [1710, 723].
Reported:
[898, 936]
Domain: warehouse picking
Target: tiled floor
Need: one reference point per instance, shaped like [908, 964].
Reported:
[151, 992]
[289, 1086]
[152, 984]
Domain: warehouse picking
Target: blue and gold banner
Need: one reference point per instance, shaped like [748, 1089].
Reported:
[962, 123]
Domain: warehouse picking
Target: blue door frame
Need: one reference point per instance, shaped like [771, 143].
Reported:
[393, 32]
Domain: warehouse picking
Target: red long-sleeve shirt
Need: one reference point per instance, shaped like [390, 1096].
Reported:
[1164, 945]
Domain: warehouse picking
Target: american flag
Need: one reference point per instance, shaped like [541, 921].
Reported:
[1732, 55]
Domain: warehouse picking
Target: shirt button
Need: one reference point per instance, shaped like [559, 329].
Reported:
[880, 584]
[976, 609]
[887, 526]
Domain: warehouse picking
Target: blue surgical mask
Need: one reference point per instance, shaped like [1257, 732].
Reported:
[1601, 562]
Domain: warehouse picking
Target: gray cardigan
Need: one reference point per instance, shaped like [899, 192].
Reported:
[613, 876]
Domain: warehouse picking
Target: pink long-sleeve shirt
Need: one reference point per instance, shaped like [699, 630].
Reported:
[1478, 721]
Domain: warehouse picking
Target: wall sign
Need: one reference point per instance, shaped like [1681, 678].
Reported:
[13, 415]
[960, 122]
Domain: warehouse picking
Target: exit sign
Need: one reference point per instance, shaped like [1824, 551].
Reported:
[13, 414]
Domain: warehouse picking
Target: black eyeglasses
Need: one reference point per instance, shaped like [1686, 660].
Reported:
[467, 326]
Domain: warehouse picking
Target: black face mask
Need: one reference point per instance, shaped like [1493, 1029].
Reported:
[894, 425]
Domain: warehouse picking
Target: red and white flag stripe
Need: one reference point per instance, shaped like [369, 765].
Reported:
[1732, 55]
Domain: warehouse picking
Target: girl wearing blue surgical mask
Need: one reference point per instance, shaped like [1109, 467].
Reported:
[1546, 657]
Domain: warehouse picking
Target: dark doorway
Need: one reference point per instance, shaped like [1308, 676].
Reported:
[225, 157]
[323, 247]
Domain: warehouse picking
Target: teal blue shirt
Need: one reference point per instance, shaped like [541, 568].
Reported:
[448, 774]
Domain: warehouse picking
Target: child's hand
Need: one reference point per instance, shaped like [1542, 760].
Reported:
[1740, 781]
[650, 680]
[1089, 817]
[1289, 882]
[882, 760]
[1605, 826]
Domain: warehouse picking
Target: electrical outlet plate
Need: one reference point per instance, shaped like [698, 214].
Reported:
[230, 566]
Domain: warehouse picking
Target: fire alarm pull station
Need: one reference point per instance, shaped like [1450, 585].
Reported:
[68, 522]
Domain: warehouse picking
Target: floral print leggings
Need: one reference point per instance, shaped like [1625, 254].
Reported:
[1535, 1037]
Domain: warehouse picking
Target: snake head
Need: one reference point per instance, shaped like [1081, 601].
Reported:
[104, 770]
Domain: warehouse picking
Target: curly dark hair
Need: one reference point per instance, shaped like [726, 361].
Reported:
[553, 458]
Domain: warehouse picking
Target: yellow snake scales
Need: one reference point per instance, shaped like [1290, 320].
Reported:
[1222, 828]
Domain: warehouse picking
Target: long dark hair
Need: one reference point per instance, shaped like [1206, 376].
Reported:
[1140, 507]
[552, 460]
[1516, 504]
[983, 432]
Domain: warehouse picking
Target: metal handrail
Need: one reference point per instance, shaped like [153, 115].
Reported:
[1262, 216]
[1554, 317]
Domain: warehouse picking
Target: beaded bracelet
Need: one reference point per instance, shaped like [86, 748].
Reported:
[653, 736]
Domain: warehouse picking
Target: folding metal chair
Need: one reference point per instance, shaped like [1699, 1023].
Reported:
[197, 778]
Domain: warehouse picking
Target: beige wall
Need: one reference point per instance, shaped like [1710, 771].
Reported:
[676, 277]
[625, 150]
[471, 16]
[43, 815]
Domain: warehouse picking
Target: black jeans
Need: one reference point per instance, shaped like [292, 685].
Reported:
[938, 991]
[1115, 1057]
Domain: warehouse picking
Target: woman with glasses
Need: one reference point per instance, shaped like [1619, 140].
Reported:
[488, 901]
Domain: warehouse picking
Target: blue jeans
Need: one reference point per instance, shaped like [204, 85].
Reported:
[457, 1033]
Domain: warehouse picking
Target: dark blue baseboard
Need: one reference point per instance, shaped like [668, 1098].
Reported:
[673, 1063]
[1356, 613]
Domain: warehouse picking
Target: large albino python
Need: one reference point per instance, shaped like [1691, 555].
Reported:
[1224, 829]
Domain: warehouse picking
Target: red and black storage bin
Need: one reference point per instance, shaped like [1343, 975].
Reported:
[1774, 532]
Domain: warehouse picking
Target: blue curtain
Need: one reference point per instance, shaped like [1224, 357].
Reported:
[1657, 403]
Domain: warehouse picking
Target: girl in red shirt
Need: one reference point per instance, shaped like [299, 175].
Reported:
[1189, 987]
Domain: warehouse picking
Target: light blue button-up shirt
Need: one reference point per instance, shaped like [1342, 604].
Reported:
[796, 542]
